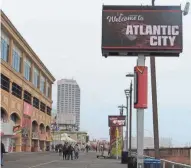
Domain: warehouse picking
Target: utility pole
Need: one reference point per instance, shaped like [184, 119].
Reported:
[126, 132]
[154, 103]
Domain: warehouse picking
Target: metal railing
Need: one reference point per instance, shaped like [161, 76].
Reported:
[166, 163]
[170, 164]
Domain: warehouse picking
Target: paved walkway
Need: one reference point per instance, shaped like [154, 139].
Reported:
[52, 160]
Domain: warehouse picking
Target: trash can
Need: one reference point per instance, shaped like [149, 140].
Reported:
[124, 157]
[132, 162]
[152, 163]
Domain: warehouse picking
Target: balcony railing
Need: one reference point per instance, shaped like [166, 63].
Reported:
[48, 137]
[35, 135]
[42, 136]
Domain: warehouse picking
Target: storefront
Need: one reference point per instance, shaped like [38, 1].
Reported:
[26, 125]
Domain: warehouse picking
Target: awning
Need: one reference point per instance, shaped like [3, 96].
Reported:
[64, 137]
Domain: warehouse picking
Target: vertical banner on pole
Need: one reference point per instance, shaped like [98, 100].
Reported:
[117, 140]
[113, 141]
[141, 87]
[116, 122]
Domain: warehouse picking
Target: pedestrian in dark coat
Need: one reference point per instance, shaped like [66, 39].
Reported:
[60, 150]
[70, 152]
[76, 151]
[2, 152]
[64, 151]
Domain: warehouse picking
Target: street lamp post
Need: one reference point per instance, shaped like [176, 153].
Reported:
[127, 94]
[130, 119]
[130, 113]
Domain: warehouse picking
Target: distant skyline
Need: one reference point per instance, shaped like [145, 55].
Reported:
[68, 102]
[69, 44]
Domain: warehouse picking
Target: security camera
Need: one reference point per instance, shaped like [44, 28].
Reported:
[186, 9]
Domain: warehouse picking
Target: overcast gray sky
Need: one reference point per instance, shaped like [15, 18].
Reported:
[66, 35]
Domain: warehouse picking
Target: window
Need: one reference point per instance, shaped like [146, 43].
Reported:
[42, 107]
[35, 102]
[5, 83]
[4, 47]
[42, 83]
[47, 90]
[35, 77]
[27, 97]
[16, 59]
[16, 90]
[49, 111]
[27, 69]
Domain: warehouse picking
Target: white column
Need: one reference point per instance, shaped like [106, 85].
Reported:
[140, 125]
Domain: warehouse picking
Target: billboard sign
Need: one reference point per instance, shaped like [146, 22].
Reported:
[129, 30]
[116, 121]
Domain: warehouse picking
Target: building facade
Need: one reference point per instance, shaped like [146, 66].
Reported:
[26, 93]
[68, 103]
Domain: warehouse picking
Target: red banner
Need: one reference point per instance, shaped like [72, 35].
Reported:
[141, 87]
[27, 109]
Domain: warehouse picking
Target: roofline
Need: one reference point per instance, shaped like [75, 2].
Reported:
[25, 42]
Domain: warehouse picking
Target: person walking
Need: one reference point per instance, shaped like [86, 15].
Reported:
[64, 152]
[70, 152]
[60, 150]
[2, 152]
[67, 151]
[109, 151]
[76, 151]
[87, 148]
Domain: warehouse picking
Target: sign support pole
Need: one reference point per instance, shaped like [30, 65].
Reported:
[117, 146]
[140, 125]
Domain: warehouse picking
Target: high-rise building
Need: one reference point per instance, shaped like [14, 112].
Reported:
[68, 103]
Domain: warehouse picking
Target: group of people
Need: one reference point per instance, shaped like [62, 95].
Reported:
[69, 151]
[101, 149]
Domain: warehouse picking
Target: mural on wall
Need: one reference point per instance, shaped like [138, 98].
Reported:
[26, 127]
